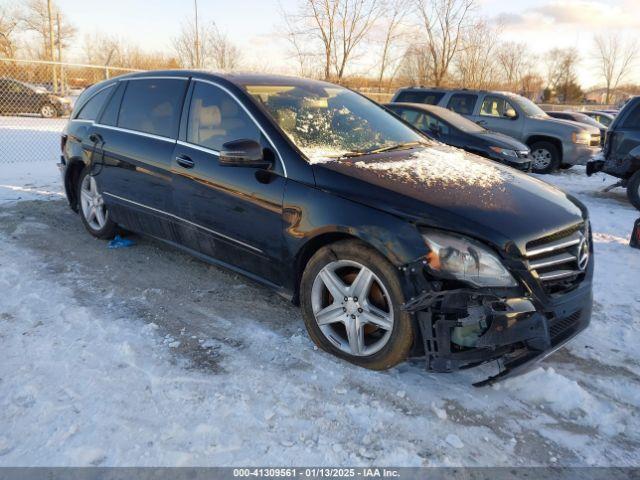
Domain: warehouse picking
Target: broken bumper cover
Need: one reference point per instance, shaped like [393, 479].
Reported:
[518, 334]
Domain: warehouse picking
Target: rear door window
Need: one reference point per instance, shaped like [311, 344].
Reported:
[430, 98]
[216, 118]
[462, 103]
[152, 106]
[92, 108]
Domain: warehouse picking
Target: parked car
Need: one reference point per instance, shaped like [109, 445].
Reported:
[604, 118]
[392, 244]
[621, 153]
[581, 118]
[553, 142]
[21, 98]
[448, 127]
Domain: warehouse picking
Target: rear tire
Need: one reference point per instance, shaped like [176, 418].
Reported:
[545, 157]
[93, 212]
[633, 190]
[383, 331]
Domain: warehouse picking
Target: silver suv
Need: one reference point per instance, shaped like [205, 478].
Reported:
[554, 143]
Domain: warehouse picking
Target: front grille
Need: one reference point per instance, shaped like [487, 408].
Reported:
[561, 325]
[523, 153]
[559, 261]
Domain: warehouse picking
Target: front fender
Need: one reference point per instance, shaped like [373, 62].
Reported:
[311, 212]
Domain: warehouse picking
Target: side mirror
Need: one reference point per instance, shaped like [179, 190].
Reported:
[511, 114]
[243, 153]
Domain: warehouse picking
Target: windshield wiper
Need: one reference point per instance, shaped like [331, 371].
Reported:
[398, 146]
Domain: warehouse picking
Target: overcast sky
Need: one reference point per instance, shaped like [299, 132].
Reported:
[254, 24]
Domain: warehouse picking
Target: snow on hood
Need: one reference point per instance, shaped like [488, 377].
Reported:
[443, 166]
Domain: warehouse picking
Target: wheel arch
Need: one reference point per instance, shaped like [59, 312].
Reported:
[71, 176]
[314, 244]
[546, 138]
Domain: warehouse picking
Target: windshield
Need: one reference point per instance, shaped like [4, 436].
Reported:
[530, 109]
[327, 121]
[458, 121]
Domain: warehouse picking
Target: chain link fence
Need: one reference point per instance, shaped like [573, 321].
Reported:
[36, 98]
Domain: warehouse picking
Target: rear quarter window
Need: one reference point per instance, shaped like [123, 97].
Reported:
[430, 98]
[463, 103]
[152, 106]
[91, 108]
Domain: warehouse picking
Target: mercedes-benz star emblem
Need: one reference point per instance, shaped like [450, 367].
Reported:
[583, 254]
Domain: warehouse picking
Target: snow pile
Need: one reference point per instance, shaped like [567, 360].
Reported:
[442, 166]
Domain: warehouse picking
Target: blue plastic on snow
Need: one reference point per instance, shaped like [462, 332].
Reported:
[119, 242]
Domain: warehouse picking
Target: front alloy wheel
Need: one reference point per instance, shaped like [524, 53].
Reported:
[351, 299]
[351, 307]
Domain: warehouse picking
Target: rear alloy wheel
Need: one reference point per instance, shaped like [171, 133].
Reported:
[545, 157]
[48, 111]
[633, 190]
[93, 211]
[351, 299]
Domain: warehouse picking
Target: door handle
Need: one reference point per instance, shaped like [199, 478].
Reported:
[482, 123]
[185, 161]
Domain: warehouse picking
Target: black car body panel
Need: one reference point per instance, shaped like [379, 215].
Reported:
[480, 142]
[622, 146]
[266, 222]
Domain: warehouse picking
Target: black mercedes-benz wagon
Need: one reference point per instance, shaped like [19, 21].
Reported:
[393, 245]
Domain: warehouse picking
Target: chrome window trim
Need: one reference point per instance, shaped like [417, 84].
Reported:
[199, 147]
[153, 77]
[136, 132]
[221, 235]
[257, 124]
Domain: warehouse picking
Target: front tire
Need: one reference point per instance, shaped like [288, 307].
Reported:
[545, 157]
[350, 297]
[48, 110]
[93, 212]
[633, 190]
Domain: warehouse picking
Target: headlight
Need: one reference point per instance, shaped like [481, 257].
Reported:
[582, 137]
[505, 152]
[465, 259]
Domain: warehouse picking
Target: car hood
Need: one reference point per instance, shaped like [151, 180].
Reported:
[501, 140]
[560, 122]
[445, 187]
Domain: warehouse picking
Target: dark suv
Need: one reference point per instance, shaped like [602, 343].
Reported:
[393, 245]
[20, 98]
[621, 154]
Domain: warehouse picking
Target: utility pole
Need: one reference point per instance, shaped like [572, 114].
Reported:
[62, 82]
[54, 72]
[197, 37]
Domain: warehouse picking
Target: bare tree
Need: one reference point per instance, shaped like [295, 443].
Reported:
[516, 62]
[185, 45]
[224, 54]
[8, 26]
[392, 23]
[475, 62]
[415, 65]
[444, 22]
[615, 60]
[214, 49]
[332, 29]
[36, 19]
[561, 71]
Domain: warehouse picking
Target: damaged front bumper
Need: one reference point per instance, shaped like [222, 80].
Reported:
[463, 328]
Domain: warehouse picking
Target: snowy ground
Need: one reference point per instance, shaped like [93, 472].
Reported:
[145, 356]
